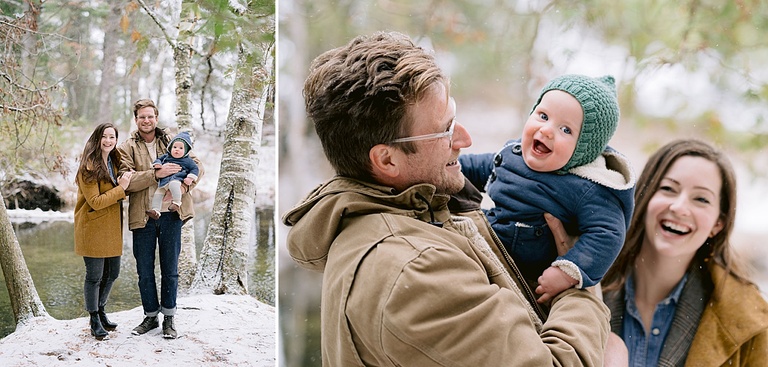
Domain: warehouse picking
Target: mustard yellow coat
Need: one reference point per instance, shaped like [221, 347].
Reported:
[98, 219]
[733, 330]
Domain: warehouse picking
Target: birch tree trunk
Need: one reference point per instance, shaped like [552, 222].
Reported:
[223, 259]
[182, 52]
[25, 302]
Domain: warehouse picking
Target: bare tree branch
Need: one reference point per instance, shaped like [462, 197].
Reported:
[160, 25]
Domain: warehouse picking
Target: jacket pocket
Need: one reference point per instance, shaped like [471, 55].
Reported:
[96, 214]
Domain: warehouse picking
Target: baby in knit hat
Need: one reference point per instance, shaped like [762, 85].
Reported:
[178, 152]
[562, 165]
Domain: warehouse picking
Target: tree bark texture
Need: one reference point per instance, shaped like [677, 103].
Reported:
[223, 259]
[25, 302]
[182, 52]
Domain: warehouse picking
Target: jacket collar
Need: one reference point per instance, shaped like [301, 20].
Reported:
[320, 217]
[735, 314]
[685, 322]
[610, 169]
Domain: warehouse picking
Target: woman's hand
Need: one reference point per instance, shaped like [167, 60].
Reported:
[125, 180]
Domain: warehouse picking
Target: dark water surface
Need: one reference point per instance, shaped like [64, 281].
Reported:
[58, 272]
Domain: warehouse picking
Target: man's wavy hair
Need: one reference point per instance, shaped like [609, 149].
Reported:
[144, 102]
[358, 96]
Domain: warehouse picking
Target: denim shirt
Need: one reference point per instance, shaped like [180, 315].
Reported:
[111, 170]
[644, 350]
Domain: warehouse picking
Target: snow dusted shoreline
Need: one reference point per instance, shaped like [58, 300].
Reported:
[214, 330]
[38, 216]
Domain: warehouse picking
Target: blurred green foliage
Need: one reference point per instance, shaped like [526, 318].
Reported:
[502, 51]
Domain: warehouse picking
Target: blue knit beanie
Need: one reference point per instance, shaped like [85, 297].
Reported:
[597, 97]
[183, 137]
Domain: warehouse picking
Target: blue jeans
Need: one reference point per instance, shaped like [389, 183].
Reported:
[163, 234]
[100, 274]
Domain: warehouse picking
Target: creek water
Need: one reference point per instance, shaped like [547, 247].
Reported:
[58, 273]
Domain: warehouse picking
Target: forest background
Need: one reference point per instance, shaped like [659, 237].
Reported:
[684, 69]
[84, 62]
[68, 66]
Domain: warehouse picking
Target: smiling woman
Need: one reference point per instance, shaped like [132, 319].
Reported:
[98, 222]
[677, 290]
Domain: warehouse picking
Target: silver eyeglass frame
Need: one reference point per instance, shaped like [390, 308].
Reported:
[448, 134]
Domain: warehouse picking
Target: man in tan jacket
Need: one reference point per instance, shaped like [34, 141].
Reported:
[405, 282]
[150, 235]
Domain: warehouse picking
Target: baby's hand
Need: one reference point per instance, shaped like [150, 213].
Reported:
[552, 282]
[188, 181]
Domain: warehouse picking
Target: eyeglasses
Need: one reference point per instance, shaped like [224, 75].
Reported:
[145, 118]
[447, 134]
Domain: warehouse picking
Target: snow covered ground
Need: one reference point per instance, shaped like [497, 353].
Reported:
[213, 330]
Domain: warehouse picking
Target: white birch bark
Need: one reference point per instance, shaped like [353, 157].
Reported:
[182, 52]
[223, 259]
[25, 302]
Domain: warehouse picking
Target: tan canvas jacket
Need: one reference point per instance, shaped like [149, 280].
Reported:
[399, 289]
[135, 156]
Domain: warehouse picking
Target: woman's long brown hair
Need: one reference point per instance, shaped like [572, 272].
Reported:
[92, 167]
[716, 248]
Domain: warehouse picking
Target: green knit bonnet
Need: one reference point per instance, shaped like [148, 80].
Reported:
[597, 97]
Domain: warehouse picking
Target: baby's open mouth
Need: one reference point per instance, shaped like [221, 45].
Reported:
[540, 148]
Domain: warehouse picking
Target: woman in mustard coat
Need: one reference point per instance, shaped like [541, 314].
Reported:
[677, 294]
[98, 222]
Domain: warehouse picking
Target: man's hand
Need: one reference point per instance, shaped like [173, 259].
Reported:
[552, 282]
[563, 241]
[167, 169]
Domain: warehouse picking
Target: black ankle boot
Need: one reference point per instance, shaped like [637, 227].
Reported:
[108, 325]
[96, 329]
